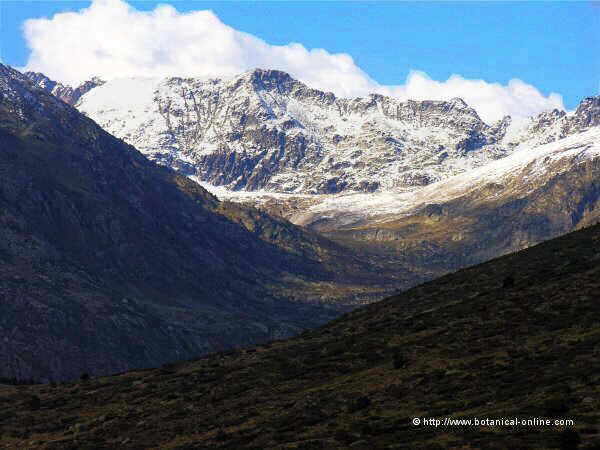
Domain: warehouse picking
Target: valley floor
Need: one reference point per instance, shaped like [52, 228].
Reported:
[518, 336]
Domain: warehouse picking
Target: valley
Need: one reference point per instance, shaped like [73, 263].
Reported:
[299, 225]
[469, 344]
[260, 245]
[422, 185]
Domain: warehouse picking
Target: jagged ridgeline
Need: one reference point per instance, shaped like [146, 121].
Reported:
[530, 196]
[264, 130]
[67, 94]
[222, 274]
[109, 261]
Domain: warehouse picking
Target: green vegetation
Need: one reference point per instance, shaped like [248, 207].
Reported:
[467, 345]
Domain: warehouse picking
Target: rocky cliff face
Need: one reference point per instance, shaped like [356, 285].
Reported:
[263, 130]
[532, 195]
[109, 261]
[67, 94]
[536, 193]
[553, 125]
[308, 152]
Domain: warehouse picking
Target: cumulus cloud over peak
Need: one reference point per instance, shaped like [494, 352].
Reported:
[491, 100]
[111, 39]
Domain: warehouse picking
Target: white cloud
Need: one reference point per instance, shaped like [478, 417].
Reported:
[491, 100]
[112, 40]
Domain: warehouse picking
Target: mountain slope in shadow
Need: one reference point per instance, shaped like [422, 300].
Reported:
[516, 337]
[109, 262]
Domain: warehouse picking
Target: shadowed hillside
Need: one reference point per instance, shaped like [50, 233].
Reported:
[518, 336]
[109, 262]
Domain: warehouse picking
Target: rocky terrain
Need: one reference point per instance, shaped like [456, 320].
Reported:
[263, 130]
[553, 125]
[546, 186]
[67, 94]
[528, 197]
[426, 186]
[109, 261]
[517, 337]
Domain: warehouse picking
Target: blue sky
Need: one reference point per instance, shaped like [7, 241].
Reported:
[552, 46]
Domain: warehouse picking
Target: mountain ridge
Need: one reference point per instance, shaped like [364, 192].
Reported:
[265, 130]
[415, 224]
[109, 261]
[67, 94]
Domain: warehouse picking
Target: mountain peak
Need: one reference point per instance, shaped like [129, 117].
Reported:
[592, 100]
[41, 80]
[120, 245]
[67, 94]
[7, 72]
[96, 79]
[459, 102]
[17, 96]
[588, 112]
[265, 130]
[259, 72]
[268, 78]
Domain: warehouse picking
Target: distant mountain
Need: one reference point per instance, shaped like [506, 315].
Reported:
[438, 189]
[517, 176]
[263, 130]
[515, 338]
[532, 195]
[67, 94]
[109, 261]
[553, 125]
[547, 185]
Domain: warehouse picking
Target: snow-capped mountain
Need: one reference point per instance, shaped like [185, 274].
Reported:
[528, 169]
[552, 125]
[336, 164]
[109, 261]
[516, 176]
[532, 195]
[438, 189]
[67, 94]
[263, 130]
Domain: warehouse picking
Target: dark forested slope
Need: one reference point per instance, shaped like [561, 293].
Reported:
[518, 336]
[110, 262]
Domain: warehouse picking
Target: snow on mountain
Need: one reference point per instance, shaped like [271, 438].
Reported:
[263, 130]
[97, 241]
[521, 172]
[264, 138]
[552, 125]
[67, 94]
